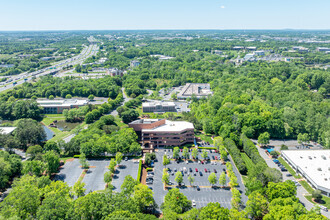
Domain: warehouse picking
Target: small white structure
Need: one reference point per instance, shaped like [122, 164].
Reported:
[313, 165]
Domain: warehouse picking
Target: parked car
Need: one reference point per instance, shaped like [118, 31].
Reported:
[323, 208]
[216, 157]
[205, 170]
[202, 162]
[288, 174]
[196, 170]
[215, 171]
[208, 170]
[200, 173]
[198, 188]
[193, 203]
[190, 170]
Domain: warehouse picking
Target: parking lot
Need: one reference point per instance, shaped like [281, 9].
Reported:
[129, 167]
[70, 172]
[206, 194]
[94, 178]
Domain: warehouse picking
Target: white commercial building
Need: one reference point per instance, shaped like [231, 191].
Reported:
[57, 106]
[7, 130]
[158, 107]
[313, 165]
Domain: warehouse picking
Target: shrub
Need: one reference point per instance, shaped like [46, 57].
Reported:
[149, 169]
[236, 155]
[251, 150]
[139, 171]
[76, 156]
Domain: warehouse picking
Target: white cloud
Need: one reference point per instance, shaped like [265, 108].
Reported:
[222, 6]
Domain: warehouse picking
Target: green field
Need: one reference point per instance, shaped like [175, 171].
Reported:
[204, 137]
[248, 161]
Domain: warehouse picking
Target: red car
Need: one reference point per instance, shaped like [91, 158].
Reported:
[216, 157]
[196, 170]
[202, 162]
[180, 150]
[205, 170]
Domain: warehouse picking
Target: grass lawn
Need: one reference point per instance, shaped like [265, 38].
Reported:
[287, 166]
[306, 186]
[248, 161]
[204, 137]
[326, 201]
[49, 118]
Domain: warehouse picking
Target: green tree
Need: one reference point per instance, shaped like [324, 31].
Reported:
[52, 161]
[185, 153]
[33, 151]
[165, 177]
[191, 179]
[236, 201]
[316, 194]
[176, 202]
[280, 190]
[51, 145]
[194, 153]
[222, 179]
[257, 205]
[213, 211]
[34, 167]
[218, 142]
[91, 97]
[166, 161]
[178, 177]
[119, 157]
[83, 161]
[176, 152]
[78, 189]
[212, 178]
[78, 68]
[143, 197]
[263, 138]
[223, 153]
[174, 96]
[51, 97]
[107, 177]
[204, 154]
[303, 138]
[68, 96]
[29, 132]
[128, 185]
[112, 165]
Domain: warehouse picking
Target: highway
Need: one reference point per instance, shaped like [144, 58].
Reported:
[26, 77]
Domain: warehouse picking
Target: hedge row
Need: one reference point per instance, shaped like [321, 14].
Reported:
[251, 150]
[207, 148]
[236, 155]
[139, 171]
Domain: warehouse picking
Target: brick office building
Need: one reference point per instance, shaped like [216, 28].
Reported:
[155, 133]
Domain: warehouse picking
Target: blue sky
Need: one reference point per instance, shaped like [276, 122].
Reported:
[163, 14]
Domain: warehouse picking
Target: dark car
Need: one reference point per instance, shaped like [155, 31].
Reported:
[223, 169]
[288, 174]
[208, 170]
[215, 171]
[213, 157]
[200, 173]
[283, 170]
[190, 170]
[198, 189]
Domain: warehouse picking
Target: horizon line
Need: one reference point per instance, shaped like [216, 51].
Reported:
[250, 29]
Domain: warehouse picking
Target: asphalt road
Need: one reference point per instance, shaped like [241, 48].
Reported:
[127, 168]
[79, 59]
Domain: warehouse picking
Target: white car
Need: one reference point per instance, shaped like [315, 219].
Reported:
[193, 202]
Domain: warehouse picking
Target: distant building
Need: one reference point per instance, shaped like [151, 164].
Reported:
[300, 49]
[154, 133]
[57, 106]
[217, 52]
[115, 72]
[7, 130]
[22, 56]
[158, 107]
[259, 53]
[323, 49]
[135, 63]
[162, 57]
[238, 48]
[251, 48]
[197, 89]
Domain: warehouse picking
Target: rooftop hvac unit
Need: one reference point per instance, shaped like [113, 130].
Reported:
[323, 157]
[310, 157]
[319, 169]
